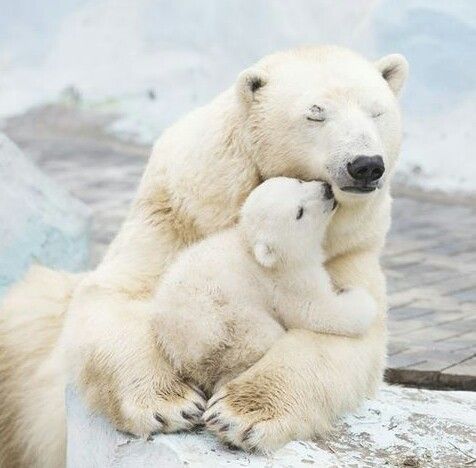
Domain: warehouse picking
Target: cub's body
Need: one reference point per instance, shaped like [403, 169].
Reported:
[213, 316]
[226, 300]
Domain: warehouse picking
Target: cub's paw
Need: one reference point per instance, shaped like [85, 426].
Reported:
[364, 309]
[143, 404]
[242, 416]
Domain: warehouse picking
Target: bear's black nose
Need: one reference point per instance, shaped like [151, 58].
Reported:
[366, 169]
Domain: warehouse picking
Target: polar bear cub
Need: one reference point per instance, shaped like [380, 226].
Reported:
[228, 298]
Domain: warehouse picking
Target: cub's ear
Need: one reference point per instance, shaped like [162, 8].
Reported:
[394, 70]
[264, 254]
[249, 82]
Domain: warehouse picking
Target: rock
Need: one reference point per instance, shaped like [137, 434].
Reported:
[400, 427]
[39, 221]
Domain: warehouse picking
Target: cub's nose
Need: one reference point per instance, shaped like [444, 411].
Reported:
[366, 169]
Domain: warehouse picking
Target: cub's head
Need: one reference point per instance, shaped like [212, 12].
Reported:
[325, 113]
[284, 220]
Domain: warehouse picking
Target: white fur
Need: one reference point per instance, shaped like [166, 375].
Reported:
[200, 172]
[237, 291]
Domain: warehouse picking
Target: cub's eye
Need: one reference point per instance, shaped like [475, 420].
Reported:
[316, 114]
[300, 212]
[376, 115]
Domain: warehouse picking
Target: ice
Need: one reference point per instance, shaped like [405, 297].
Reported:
[39, 222]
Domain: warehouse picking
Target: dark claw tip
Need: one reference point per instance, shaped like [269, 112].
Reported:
[186, 415]
[247, 434]
[128, 434]
[200, 407]
[212, 416]
[160, 419]
[232, 447]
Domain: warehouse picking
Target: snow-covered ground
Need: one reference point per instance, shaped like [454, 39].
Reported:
[400, 427]
[151, 61]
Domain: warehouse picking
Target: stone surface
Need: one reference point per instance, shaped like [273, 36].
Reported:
[430, 261]
[401, 427]
[71, 146]
[39, 221]
[430, 257]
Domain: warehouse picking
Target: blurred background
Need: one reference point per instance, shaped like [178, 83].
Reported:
[150, 61]
[86, 86]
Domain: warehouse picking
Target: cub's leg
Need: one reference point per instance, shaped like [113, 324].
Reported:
[208, 339]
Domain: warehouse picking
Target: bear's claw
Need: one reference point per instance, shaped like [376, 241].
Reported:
[253, 431]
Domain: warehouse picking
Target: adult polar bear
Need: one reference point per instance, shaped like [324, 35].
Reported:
[315, 112]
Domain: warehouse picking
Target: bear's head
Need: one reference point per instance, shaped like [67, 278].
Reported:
[325, 113]
[283, 220]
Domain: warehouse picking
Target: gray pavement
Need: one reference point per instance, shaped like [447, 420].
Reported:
[430, 258]
[430, 261]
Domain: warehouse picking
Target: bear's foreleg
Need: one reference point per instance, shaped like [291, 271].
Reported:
[111, 347]
[305, 381]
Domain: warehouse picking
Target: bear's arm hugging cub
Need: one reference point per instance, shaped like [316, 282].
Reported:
[227, 299]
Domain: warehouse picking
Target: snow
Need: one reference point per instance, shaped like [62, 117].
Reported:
[41, 223]
[399, 427]
[152, 61]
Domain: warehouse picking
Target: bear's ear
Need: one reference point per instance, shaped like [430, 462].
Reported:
[394, 70]
[264, 254]
[249, 82]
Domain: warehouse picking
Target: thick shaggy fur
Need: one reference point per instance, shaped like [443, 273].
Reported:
[237, 291]
[200, 172]
[32, 373]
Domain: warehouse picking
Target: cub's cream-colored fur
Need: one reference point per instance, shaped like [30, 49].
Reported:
[97, 331]
[225, 300]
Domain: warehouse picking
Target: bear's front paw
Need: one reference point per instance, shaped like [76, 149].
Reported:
[145, 403]
[155, 410]
[244, 416]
